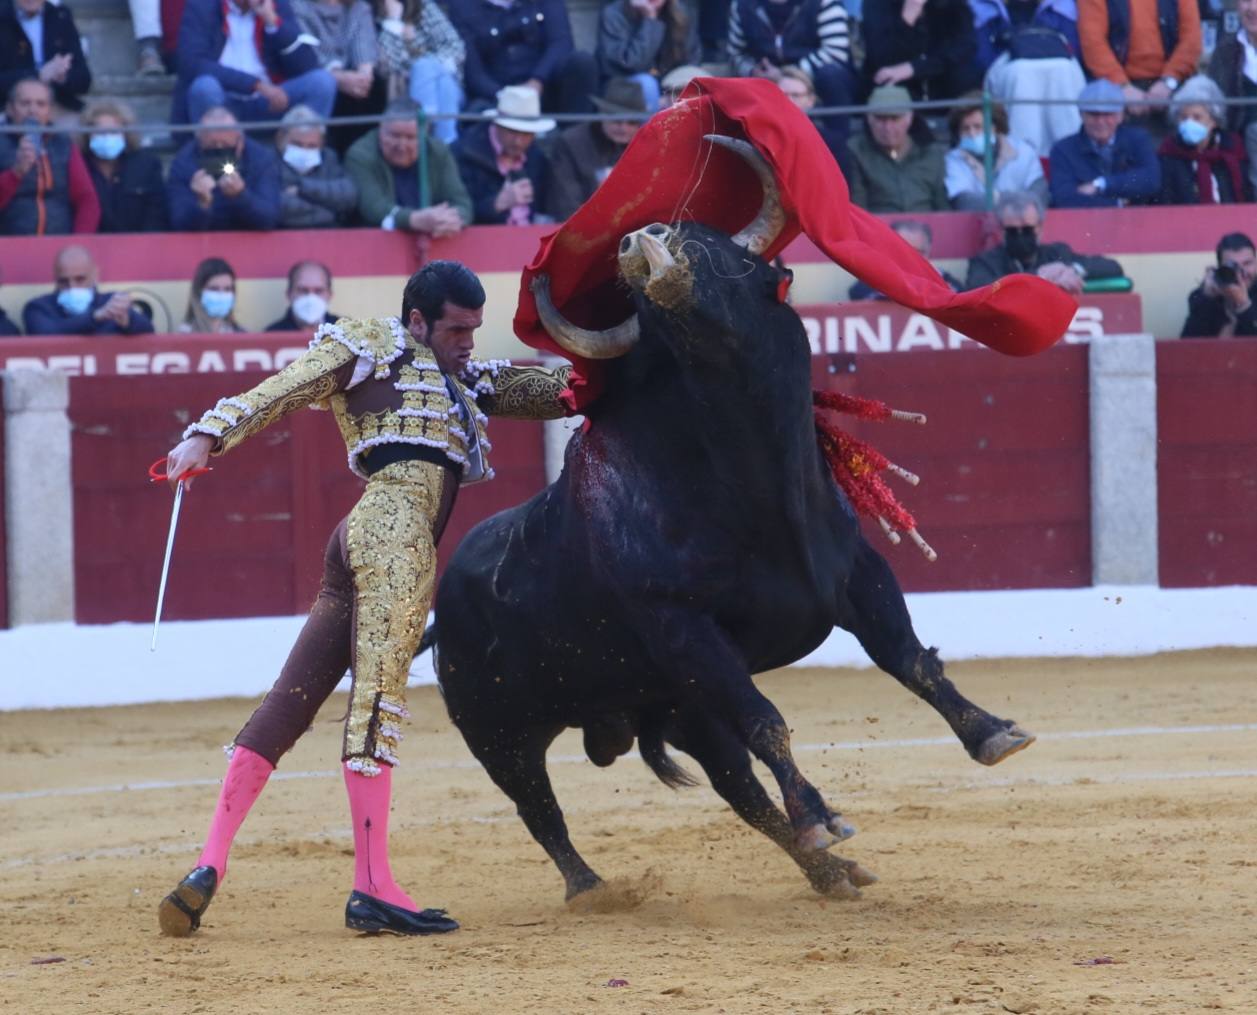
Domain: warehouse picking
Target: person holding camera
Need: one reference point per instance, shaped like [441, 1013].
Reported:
[45, 187]
[1224, 305]
[222, 179]
[503, 170]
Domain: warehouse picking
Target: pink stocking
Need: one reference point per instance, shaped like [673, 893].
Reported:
[246, 776]
[369, 797]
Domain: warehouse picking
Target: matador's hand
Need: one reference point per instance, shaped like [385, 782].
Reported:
[192, 453]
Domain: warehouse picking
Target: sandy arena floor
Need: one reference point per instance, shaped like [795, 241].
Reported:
[1000, 888]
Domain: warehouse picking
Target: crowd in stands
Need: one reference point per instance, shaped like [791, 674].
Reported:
[1102, 103]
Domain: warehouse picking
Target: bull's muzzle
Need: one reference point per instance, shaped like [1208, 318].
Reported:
[651, 262]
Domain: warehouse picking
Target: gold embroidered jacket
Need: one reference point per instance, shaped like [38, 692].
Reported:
[383, 387]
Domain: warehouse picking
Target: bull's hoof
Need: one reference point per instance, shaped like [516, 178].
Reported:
[1003, 744]
[579, 886]
[815, 838]
[840, 828]
[861, 876]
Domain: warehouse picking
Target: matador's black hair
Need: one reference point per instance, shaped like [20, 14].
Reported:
[436, 282]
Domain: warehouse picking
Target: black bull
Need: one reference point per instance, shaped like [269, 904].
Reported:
[695, 537]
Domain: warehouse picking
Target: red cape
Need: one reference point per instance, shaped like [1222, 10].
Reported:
[669, 174]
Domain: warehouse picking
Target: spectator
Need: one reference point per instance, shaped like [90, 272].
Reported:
[249, 56]
[895, 164]
[222, 179]
[583, 156]
[39, 40]
[146, 21]
[1225, 303]
[1030, 29]
[797, 84]
[421, 55]
[813, 35]
[7, 327]
[504, 171]
[309, 293]
[644, 39]
[920, 237]
[1016, 163]
[77, 307]
[672, 84]
[384, 164]
[713, 29]
[524, 42]
[1234, 67]
[1147, 47]
[127, 177]
[928, 46]
[1021, 216]
[212, 300]
[45, 187]
[315, 191]
[348, 50]
[1108, 163]
[1203, 162]
[1037, 74]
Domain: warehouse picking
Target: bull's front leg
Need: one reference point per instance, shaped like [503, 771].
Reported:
[876, 614]
[710, 675]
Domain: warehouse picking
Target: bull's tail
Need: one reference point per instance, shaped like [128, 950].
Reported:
[427, 641]
[650, 743]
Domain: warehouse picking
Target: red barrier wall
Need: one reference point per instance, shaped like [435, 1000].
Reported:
[251, 535]
[1207, 462]
[1004, 463]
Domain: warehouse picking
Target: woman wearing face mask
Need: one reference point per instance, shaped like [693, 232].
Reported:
[212, 302]
[1016, 163]
[1202, 162]
[315, 191]
[127, 178]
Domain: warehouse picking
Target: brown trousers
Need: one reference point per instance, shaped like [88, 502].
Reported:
[378, 579]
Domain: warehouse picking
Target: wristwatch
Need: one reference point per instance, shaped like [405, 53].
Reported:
[1170, 83]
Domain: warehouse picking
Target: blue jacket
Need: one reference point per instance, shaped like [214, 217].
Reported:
[478, 166]
[43, 316]
[1135, 177]
[257, 207]
[994, 27]
[203, 34]
[507, 46]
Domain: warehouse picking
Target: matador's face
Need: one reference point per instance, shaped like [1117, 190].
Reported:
[452, 338]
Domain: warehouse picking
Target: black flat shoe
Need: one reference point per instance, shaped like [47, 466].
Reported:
[180, 912]
[371, 916]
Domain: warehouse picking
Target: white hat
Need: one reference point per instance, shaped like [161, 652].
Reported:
[519, 108]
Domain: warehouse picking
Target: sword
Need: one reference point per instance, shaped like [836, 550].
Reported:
[156, 477]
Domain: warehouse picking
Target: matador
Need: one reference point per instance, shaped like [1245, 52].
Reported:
[411, 405]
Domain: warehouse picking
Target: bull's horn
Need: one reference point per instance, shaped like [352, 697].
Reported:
[759, 235]
[581, 341]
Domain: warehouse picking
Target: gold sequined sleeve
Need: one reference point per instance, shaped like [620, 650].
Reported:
[524, 393]
[318, 373]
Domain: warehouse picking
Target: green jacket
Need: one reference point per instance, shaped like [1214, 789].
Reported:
[882, 184]
[374, 177]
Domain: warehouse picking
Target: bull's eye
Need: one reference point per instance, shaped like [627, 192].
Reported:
[657, 230]
[624, 245]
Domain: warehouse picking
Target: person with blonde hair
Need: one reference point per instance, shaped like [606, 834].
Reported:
[127, 178]
[212, 300]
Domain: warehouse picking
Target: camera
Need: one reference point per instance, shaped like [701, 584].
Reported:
[1225, 275]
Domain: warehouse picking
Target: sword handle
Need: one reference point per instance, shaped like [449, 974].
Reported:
[155, 476]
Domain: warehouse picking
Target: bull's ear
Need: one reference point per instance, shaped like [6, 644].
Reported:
[785, 278]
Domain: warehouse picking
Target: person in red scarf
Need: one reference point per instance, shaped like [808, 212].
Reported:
[1202, 162]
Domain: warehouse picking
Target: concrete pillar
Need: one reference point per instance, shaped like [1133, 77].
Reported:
[1124, 460]
[38, 497]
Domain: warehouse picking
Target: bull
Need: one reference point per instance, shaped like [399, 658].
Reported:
[696, 536]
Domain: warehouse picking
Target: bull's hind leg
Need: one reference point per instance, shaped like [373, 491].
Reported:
[710, 674]
[518, 767]
[877, 615]
[728, 766]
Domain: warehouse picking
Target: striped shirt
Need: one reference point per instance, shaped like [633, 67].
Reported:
[832, 33]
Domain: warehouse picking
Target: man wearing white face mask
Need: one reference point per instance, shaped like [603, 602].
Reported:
[315, 190]
[77, 307]
[309, 293]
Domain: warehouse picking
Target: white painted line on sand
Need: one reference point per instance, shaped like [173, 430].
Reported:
[568, 759]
